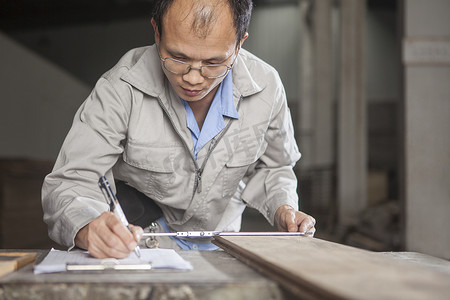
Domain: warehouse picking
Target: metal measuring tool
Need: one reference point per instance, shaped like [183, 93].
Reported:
[220, 233]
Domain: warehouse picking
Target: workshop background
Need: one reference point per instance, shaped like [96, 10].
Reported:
[366, 80]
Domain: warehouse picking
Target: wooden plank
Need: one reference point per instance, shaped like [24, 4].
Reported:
[311, 268]
[11, 261]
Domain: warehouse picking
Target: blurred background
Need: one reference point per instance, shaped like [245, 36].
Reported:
[367, 84]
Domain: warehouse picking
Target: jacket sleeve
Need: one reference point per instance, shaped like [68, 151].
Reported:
[71, 197]
[274, 169]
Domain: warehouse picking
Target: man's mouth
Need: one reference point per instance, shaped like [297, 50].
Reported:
[191, 92]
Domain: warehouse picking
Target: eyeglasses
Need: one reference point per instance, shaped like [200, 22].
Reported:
[211, 71]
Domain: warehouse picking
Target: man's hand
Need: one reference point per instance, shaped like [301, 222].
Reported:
[106, 237]
[290, 220]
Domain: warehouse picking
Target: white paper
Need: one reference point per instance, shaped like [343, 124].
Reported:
[57, 260]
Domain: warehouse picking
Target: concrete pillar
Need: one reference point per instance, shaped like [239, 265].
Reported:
[426, 122]
[352, 136]
[323, 142]
[316, 84]
[316, 108]
[305, 124]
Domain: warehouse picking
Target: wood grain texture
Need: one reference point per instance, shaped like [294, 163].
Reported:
[11, 261]
[311, 268]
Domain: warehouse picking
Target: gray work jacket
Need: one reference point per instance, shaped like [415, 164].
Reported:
[132, 127]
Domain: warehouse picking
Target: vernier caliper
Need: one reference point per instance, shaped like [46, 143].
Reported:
[219, 233]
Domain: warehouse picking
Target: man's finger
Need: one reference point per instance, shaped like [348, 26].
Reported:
[312, 231]
[105, 235]
[137, 232]
[291, 224]
[122, 232]
[307, 224]
[95, 251]
[105, 243]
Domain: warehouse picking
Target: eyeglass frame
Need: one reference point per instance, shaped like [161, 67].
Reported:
[190, 67]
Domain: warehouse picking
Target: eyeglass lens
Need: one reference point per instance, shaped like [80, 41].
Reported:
[182, 68]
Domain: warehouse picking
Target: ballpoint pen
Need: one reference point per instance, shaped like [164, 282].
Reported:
[114, 206]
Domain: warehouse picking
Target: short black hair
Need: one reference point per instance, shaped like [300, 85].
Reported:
[242, 11]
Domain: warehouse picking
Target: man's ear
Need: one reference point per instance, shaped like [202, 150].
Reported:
[157, 34]
[243, 40]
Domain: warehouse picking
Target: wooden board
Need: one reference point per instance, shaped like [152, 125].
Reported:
[11, 261]
[311, 268]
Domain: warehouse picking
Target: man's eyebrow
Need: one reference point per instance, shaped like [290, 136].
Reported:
[181, 54]
[176, 53]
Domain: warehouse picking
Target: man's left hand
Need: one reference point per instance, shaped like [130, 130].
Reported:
[291, 220]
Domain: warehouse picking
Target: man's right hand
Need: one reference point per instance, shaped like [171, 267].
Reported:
[107, 237]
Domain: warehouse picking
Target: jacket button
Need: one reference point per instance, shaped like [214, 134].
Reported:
[151, 242]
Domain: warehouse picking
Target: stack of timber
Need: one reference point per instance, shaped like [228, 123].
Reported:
[21, 224]
[310, 268]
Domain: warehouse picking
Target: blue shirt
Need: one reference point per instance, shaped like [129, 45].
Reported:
[222, 105]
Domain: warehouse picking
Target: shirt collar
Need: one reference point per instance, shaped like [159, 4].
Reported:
[222, 102]
[225, 94]
[222, 105]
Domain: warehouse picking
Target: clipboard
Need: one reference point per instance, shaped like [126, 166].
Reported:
[107, 264]
[152, 259]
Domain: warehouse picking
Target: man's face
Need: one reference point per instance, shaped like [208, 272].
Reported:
[179, 41]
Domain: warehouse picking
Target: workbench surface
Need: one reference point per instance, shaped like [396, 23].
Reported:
[216, 275]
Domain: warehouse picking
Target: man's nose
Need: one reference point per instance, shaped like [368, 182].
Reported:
[194, 76]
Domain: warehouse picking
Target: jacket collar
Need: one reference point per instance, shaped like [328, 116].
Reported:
[147, 75]
[243, 81]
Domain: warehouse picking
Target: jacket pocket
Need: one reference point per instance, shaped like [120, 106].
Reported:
[237, 167]
[233, 174]
[153, 168]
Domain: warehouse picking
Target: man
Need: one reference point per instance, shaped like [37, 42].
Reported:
[195, 123]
